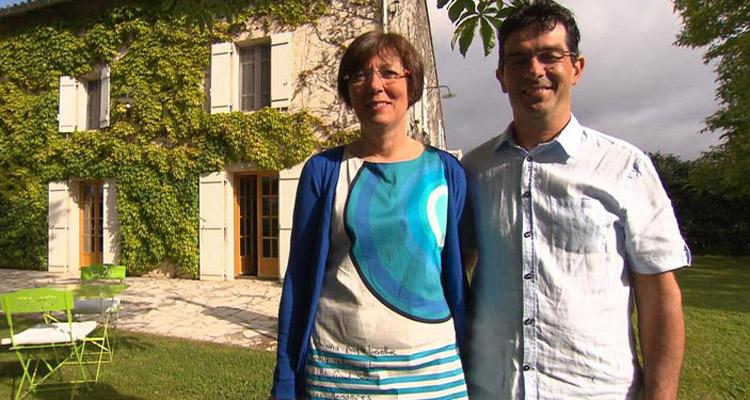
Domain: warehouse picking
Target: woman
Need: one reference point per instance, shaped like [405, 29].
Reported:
[373, 299]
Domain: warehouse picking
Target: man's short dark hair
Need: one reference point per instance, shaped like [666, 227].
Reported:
[545, 14]
[377, 43]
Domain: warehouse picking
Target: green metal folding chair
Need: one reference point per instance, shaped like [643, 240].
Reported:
[46, 347]
[97, 295]
[103, 272]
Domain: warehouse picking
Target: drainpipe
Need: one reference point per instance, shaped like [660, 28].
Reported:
[384, 10]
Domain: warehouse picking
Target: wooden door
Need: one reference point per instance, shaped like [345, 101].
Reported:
[91, 238]
[257, 225]
[246, 225]
[268, 216]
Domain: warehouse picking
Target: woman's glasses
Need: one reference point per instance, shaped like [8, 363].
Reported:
[388, 77]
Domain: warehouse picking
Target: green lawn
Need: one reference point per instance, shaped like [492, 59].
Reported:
[717, 360]
[153, 367]
[716, 294]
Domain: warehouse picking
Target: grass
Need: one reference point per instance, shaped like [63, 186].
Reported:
[154, 367]
[717, 358]
[716, 296]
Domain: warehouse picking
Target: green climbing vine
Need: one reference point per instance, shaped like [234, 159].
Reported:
[155, 150]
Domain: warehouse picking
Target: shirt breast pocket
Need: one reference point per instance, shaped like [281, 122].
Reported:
[576, 225]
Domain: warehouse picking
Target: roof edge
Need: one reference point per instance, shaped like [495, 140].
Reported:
[27, 6]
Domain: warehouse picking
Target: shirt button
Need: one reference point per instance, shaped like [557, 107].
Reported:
[526, 368]
[526, 194]
[528, 321]
[529, 159]
[527, 276]
[527, 234]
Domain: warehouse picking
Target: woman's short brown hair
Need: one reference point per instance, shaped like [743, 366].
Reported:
[374, 43]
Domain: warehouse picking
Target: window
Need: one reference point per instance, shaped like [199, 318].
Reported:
[93, 107]
[251, 75]
[255, 77]
[84, 101]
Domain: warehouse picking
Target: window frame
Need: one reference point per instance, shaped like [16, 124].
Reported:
[224, 86]
[261, 94]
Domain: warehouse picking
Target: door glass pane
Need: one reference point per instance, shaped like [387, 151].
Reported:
[267, 248]
[266, 190]
[266, 206]
[274, 203]
[266, 227]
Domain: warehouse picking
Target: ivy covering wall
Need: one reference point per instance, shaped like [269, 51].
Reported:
[154, 151]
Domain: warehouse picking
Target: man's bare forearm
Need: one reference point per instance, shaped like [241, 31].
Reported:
[661, 329]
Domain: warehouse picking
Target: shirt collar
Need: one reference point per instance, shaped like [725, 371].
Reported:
[569, 139]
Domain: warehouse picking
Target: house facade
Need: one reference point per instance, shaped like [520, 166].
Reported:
[245, 212]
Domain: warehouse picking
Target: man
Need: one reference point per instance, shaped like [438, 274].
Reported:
[571, 226]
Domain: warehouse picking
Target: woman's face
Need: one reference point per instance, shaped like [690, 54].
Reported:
[379, 93]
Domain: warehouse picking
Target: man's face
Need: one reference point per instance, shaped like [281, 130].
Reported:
[539, 88]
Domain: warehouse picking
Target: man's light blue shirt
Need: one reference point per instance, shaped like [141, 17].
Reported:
[557, 230]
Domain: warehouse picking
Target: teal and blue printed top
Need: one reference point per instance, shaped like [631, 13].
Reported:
[383, 329]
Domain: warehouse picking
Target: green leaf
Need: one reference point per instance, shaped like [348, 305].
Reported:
[467, 35]
[455, 10]
[488, 36]
[442, 3]
[454, 39]
[482, 5]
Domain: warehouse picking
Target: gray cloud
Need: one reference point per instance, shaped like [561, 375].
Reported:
[636, 85]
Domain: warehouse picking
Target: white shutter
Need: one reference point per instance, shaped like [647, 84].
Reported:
[110, 225]
[104, 98]
[281, 69]
[57, 220]
[212, 226]
[222, 77]
[67, 121]
[288, 182]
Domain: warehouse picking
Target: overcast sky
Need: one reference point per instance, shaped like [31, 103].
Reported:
[636, 85]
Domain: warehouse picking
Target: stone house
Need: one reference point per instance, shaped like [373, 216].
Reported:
[245, 213]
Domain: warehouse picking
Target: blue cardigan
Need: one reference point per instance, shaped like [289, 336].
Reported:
[307, 260]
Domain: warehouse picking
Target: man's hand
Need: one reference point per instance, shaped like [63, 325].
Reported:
[661, 329]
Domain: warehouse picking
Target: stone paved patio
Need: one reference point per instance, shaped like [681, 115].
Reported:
[240, 312]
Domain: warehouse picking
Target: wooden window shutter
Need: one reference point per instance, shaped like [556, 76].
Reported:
[68, 110]
[212, 207]
[57, 219]
[281, 70]
[222, 77]
[104, 98]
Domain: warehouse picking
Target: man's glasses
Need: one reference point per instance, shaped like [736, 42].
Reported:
[387, 76]
[548, 58]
